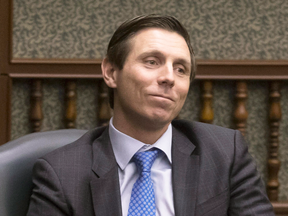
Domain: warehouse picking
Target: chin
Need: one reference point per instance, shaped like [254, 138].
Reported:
[160, 119]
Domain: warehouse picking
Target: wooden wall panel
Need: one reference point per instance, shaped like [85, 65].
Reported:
[5, 81]
[5, 108]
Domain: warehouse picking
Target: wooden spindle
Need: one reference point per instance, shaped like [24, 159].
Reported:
[36, 114]
[207, 113]
[105, 112]
[241, 114]
[273, 161]
[70, 99]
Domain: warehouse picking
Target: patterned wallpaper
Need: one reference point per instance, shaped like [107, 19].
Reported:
[219, 29]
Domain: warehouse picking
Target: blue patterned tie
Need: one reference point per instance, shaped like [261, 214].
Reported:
[142, 201]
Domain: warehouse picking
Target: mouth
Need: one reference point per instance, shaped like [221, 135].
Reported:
[162, 96]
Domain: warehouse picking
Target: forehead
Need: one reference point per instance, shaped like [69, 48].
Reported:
[158, 39]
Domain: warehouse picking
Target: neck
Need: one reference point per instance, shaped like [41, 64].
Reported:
[146, 133]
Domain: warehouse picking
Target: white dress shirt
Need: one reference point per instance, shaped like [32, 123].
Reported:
[124, 148]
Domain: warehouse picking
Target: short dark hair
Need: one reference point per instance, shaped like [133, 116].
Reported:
[119, 47]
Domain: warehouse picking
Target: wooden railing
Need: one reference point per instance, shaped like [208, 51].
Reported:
[241, 115]
[206, 115]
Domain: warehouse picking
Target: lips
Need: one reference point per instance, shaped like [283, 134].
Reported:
[163, 96]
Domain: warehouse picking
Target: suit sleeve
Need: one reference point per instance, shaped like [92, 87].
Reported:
[47, 198]
[248, 196]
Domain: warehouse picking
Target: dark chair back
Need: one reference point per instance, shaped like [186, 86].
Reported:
[17, 158]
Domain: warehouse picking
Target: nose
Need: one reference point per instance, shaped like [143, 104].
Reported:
[166, 76]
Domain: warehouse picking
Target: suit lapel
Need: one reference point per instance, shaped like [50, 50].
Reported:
[104, 183]
[185, 171]
[105, 180]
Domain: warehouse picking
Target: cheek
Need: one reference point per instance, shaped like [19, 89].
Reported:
[131, 88]
[137, 82]
[184, 89]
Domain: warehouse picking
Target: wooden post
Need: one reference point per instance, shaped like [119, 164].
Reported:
[70, 105]
[36, 114]
[273, 161]
[5, 108]
[105, 112]
[207, 113]
[241, 114]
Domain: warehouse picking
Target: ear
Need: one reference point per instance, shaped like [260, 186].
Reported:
[109, 73]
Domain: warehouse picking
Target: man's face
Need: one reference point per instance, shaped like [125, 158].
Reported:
[153, 84]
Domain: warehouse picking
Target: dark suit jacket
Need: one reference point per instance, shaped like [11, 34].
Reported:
[212, 174]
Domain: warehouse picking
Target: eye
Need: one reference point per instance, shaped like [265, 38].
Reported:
[180, 70]
[152, 62]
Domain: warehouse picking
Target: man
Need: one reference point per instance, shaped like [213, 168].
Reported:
[197, 169]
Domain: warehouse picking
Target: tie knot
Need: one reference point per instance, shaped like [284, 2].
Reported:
[144, 160]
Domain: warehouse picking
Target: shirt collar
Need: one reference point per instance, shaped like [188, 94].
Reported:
[125, 147]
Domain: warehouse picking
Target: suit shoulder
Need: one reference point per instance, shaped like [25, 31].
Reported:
[80, 147]
[201, 128]
[207, 136]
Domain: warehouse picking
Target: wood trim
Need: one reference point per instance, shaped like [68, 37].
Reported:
[242, 69]
[55, 61]
[242, 62]
[280, 208]
[97, 75]
[11, 16]
[240, 77]
[5, 108]
[4, 35]
[207, 69]
[55, 70]
[5, 81]
[59, 76]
